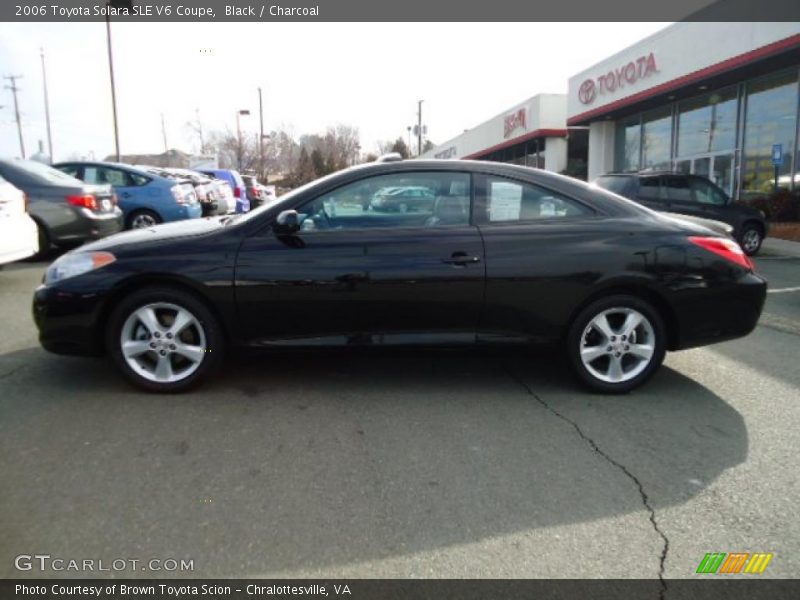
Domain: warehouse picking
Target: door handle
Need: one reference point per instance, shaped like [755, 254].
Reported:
[125, 195]
[461, 259]
[353, 277]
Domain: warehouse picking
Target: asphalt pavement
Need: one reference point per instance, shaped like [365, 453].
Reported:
[404, 464]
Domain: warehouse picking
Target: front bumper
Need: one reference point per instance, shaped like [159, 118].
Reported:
[68, 321]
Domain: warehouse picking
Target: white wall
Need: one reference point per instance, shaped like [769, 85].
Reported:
[543, 111]
[679, 50]
[601, 148]
[555, 154]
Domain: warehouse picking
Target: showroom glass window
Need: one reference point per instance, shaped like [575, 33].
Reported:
[508, 200]
[628, 144]
[770, 118]
[418, 199]
[656, 138]
[707, 124]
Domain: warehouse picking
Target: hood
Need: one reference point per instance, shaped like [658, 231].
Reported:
[159, 233]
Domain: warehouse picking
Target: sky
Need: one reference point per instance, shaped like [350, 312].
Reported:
[312, 75]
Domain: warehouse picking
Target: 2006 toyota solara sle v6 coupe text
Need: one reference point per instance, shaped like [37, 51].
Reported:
[501, 254]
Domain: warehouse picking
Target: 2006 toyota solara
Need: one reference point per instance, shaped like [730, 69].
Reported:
[500, 254]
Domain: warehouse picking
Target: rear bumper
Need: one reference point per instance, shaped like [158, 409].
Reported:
[19, 239]
[89, 226]
[723, 312]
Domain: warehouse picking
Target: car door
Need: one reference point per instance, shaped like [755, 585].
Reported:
[353, 276]
[540, 246]
[127, 192]
[680, 198]
[651, 192]
[709, 200]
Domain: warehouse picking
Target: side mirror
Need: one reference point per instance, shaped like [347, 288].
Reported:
[287, 223]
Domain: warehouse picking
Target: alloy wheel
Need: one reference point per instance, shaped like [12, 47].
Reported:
[143, 220]
[163, 342]
[751, 240]
[617, 345]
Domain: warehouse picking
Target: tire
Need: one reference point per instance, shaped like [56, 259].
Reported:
[620, 369]
[153, 345]
[139, 219]
[45, 245]
[751, 238]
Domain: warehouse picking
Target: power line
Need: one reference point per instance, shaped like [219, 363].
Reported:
[14, 89]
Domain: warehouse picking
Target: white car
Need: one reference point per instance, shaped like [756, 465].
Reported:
[19, 237]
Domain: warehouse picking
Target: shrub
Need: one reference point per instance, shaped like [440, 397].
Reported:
[779, 206]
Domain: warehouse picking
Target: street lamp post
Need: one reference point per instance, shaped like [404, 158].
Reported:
[244, 113]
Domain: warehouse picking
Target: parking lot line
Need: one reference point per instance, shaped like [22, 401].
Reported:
[784, 290]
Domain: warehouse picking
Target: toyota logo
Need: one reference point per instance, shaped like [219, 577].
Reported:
[587, 91]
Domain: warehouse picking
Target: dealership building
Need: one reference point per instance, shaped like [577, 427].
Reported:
[716, 99]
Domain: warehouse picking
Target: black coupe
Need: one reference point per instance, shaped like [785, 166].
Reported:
[503, 254]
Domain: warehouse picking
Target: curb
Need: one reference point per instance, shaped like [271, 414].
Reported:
[777, 247]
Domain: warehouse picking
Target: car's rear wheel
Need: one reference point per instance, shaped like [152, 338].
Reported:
[45, 245]
[164, 339]
[751, 238]
[140, 219]
[616, 344]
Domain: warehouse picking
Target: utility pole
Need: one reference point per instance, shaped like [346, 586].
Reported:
[419, 128]
[261, 136]
[47, 108]
[113, 87]
[14, 89]
[200, 131]
[164, 133]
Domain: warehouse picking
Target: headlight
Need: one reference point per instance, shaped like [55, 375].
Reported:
[78, 263]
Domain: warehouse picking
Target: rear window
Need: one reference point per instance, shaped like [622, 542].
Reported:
[615, 183]
[39, 173]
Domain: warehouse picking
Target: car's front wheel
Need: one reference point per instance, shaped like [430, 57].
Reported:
[750, 239]
[616, 344]
[164, 339]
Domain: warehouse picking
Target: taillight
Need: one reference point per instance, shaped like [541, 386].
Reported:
[83, 200]
[177, 193]
[725, 248]
[237, 192]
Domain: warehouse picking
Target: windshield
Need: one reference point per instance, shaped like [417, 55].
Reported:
[613, 183]
[286, 198]
[43, 173]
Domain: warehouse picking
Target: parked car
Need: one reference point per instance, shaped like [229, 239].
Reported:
[237, 185]
[505, 254]
[204, 188]
[691, 195]
[19, 237]
[403, 199]
[253, 190]
[145, 197]
[224, 194]
[268, 193]
[66, 210]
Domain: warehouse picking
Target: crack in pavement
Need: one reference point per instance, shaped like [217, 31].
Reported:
[645, 498]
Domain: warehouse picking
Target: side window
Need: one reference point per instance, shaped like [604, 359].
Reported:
[71, 170]
[514, 201]
[116, 177]
[650, 188]
[138, 179]
[706, 193]
[417, 199]
[678, 189]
